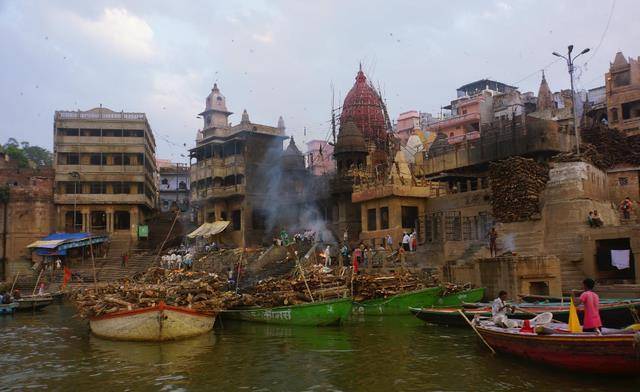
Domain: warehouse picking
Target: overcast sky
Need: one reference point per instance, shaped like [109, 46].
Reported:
[281, 57]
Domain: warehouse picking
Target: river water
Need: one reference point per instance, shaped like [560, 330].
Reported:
[53, 350]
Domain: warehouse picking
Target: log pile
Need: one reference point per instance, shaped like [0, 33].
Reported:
[516, 185]
[382, 286]
[613, 146]
[200, 291]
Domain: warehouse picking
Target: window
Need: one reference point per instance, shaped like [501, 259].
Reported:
[117, 159]
[98, 220]
[409, 217]
[630, 110]
[70, 188]
[72, 224]
[467, 232]
[182, 185]
[236, 219]
[371, 219]
[122, 220]
[384, 218]
[428, 228]
[98, 159]
[623, 181]
[97, 187]
[622, 78]
[165, 181]
[452, 227]
[258, 219]
[72, 158]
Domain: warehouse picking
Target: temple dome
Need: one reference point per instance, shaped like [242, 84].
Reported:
[350, 139]
[292, 158]
[366, 109]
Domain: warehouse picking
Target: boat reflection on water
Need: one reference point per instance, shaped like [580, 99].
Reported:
[323, 339]
[178, 353]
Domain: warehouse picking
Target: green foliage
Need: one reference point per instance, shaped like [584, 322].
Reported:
[23, 153]
[4, 194]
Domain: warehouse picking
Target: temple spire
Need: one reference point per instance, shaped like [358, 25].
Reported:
[545, 98]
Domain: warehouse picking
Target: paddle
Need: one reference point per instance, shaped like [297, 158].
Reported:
[464, 316]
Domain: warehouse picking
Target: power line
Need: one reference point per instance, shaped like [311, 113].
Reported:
[604, 33]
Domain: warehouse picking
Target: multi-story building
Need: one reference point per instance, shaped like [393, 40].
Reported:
[623, 94]
[232, 178]
[320, 157]
[105, 171]
[173, 185]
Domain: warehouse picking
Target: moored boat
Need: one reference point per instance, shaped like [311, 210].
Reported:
[33, 302]
[8, 308]
[157, 323]
[613, 315]
[399, 304]
[323, 313]
[613, 353]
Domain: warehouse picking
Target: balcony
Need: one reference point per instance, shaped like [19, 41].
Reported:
[98, 140]
[218, 192]
[102, 199]
[99, 169]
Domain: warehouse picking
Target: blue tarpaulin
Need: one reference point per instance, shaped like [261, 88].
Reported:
[57, 243]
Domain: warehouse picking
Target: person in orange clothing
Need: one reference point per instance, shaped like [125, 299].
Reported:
[357, 259]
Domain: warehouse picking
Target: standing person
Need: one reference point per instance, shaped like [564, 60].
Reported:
[590, 219]
[414, 241]
[179, 260]
[389, 242]
[344, 252]
[345, 236]
[591, 302]
[626, 207]
[357, 259]
[493, 242]
[405, 241]
[123, 260]
[327, 256]
[58, 263]
[231, 281]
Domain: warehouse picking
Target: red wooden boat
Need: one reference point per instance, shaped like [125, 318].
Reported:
[614, 353]
[156, 323]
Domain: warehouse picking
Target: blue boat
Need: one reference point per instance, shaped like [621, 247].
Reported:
[8, 308]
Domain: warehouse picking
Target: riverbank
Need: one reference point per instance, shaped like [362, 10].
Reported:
[55, 351]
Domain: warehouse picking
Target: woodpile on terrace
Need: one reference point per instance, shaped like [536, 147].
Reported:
[200, 291]
[516, 185]
[612, 145]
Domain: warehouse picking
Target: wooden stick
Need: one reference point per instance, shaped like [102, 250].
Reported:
[239, 269]
[464, 316]
[14, 282]
[305, 279]
[167, 237]
[37, 281]
[93, 263]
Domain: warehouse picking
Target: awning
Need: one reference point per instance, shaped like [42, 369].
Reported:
[53, 240]
[207, 229]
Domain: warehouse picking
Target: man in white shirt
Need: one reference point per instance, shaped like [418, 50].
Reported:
[405, 241]
[499, 307]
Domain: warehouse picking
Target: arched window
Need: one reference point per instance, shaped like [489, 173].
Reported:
[182, 185]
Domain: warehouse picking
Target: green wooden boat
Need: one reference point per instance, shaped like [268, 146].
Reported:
[399, 304]
[457, 299]
[317, 314]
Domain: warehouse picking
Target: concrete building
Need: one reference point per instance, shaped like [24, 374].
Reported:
[27, 212]
[622, 84]
[406, 124]
[173, 185]
[105, 167]
[232, 172]
[320, 158]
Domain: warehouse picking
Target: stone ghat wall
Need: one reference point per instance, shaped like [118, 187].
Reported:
[539, 275]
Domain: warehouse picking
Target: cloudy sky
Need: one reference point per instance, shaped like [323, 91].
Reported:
[282, 57]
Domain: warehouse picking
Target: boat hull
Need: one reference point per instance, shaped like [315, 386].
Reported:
[33, 303]
[612, 315]
[608, 354]
[399, 304]
[312, 314]
[8, 308]
[154, 324]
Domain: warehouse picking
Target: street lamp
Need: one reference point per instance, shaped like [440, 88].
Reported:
[76, 176]
[570, 61]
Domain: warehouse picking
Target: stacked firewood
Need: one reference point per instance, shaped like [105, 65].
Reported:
[314, 283]
[200, 291]
[516, 185]
[383, 286]
[452, 288]
[613, 146]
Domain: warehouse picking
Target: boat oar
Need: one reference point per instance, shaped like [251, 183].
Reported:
[14, 282]
[464, 316]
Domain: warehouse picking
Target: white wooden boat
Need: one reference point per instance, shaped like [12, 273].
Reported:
[154, 324]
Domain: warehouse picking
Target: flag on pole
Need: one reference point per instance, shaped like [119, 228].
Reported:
[66, 278]
[574, 322]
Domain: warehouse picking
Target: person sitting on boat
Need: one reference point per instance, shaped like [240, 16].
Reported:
[591, 304]
[499, 306]
[41, 289]
[16, 294]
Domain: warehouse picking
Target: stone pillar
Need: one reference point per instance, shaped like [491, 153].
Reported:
[134, 222]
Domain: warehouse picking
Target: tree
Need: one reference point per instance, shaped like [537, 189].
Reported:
[23, 153]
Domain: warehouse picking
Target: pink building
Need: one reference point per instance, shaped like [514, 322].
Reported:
[319, 157]
[407, 122]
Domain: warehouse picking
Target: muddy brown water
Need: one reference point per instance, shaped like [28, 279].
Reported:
[52, 350]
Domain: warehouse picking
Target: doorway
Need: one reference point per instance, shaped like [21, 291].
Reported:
[606, 272]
